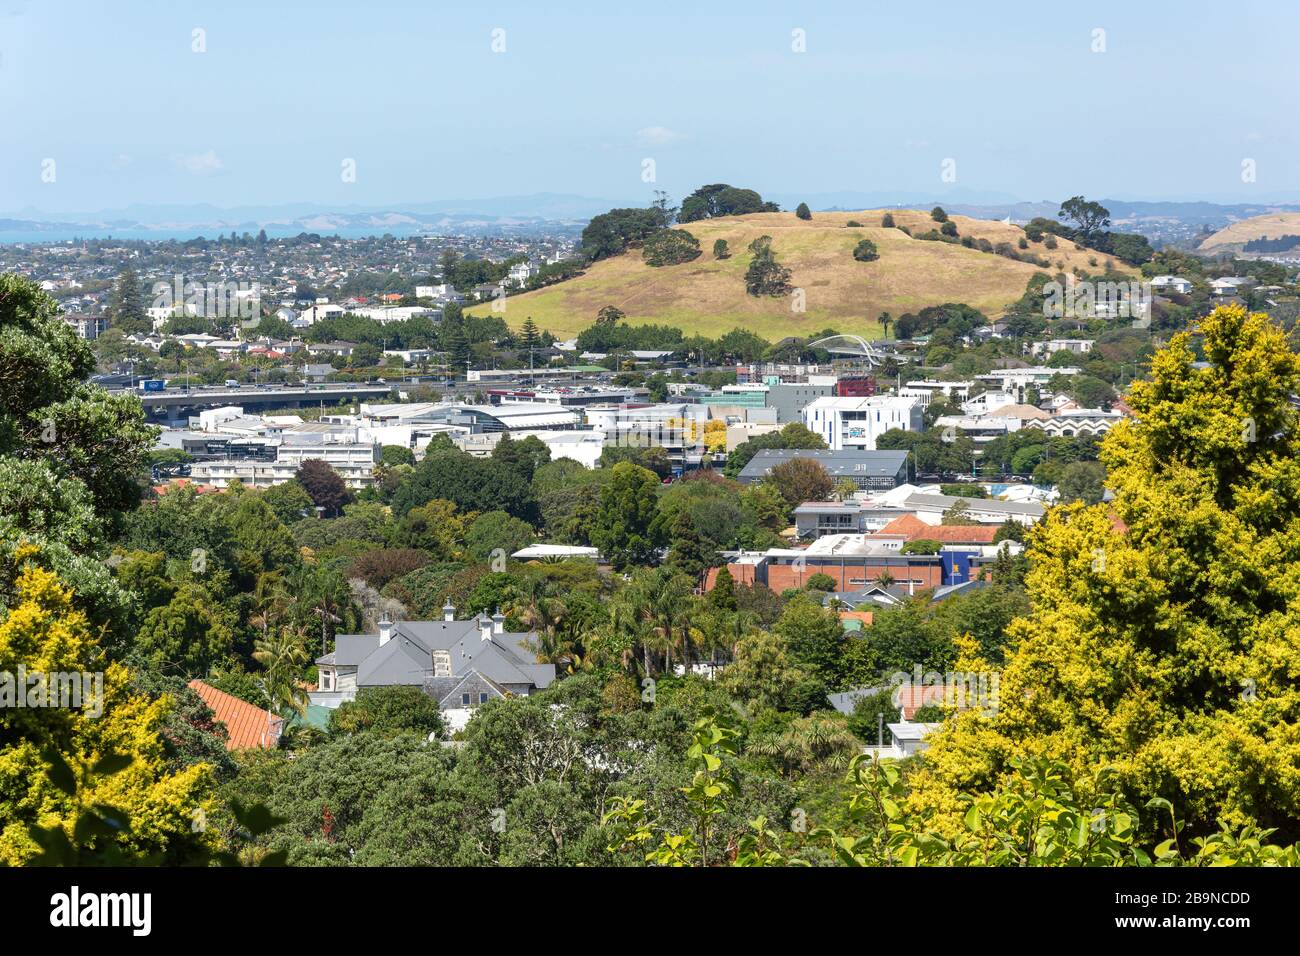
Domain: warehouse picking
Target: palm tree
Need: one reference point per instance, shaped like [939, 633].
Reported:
[664, 611]
[812, 744]
[282, 654]
[537, 607]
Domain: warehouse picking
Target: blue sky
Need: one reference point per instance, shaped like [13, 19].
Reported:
[584, 92]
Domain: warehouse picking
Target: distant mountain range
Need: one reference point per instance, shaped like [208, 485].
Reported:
[517, 214]
[560, 212]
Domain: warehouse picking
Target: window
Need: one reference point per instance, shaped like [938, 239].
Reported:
[482, 698]
[464, 700]
[441, 663]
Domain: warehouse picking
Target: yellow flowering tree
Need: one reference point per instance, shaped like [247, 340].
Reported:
[105, 755]
[1163, 640]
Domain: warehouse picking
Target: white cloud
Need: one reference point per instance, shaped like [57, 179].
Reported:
[657, 136]
[121, 161]
[201, 164]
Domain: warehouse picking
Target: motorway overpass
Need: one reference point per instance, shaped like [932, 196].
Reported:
[174, 403]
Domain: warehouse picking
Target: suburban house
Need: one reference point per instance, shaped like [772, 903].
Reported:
[1171, 284]
[908, 739]
[1232, 285]
[246, 726]
[461, 664]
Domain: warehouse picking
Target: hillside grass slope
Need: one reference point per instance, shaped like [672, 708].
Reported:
[707, 296]
[1233, 237]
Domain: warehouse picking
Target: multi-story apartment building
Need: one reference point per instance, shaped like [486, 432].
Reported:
[859, 422]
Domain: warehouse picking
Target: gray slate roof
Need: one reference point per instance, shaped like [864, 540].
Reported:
[407, 658]
[846, 463]
[992, 505]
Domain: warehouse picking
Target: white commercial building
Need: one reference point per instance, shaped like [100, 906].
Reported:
[859, 422]
[1012, 379]
[1052, 346]
[584, 447]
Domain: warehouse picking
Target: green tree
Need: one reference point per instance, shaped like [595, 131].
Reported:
[765, 276]
[1082, 481]
[719, 199]
[126, 304]
[626, 529]
[816, 639]
[497, 532]
[1089, 218]
[283, 654]
[433, 526]
[765, 674]
[922, 546]
[670, 247]
[289, 500]
[396, 455]
[1101, 673]
[189, 634]
[802, 211]
[865, 251]
[472, 484]
[529, 337]
[688, 552]
[388, 711]
[723, 595]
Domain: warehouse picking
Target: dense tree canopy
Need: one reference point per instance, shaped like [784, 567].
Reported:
[1159, 644]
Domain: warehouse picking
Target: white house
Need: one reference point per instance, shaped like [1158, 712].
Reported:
[1171, 284]
[1232, 285]
[909, 739]
[521, 272]
[1052, 346]
[1012, 379]
[318, 313]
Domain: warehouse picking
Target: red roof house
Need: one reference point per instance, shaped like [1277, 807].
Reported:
[246, 725]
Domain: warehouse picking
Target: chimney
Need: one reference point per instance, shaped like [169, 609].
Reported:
[385, 631]
[484, 627]
[498, 622]
[449, 611]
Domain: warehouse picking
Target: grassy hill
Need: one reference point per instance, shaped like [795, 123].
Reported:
[1231, 238]
[708, 295]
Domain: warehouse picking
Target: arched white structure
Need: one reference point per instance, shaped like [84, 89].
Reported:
[848, 344]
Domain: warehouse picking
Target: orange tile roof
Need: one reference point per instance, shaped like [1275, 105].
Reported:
[909, 698]
[866, 617]
[174, 483]
[246, 725]
[914, 529]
